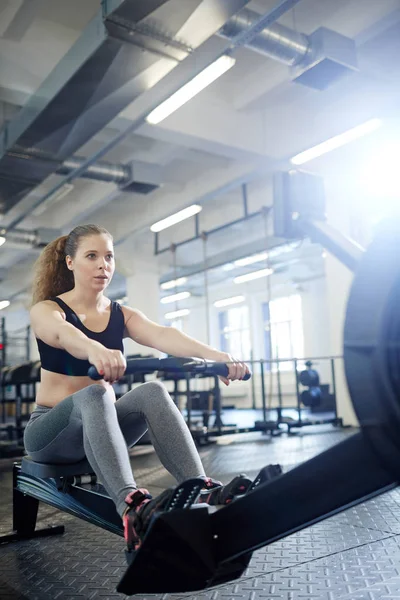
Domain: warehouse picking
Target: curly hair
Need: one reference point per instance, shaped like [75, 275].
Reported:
[51, 274]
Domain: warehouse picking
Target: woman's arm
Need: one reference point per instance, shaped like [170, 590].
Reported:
[172, 341]
[49, 325]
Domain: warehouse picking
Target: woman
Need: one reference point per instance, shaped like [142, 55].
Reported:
[76, 326]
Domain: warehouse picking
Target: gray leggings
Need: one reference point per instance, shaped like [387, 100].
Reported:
[89, 424]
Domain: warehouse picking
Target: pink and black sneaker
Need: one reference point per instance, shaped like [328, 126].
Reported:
[136, 520]
[216, 493]
[133, 523]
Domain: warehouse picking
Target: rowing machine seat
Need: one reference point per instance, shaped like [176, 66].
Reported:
[45, 470]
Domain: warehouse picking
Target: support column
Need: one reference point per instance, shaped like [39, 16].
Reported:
[142, 290]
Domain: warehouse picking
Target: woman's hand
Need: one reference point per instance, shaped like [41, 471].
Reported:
[109, 363]
[237, 368]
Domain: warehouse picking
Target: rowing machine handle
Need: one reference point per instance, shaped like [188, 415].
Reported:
[152, 364]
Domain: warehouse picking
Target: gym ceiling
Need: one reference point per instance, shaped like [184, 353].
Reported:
[78, 79]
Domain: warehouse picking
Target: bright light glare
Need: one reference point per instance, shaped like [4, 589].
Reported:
[2, 240]
[175, 297]
[380, 184]
[191, 89]
[380, 177]
[335, 142]
[4, 304]
[176, 218]
[169, 285]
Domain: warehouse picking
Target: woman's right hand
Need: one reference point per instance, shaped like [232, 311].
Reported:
[109, 363]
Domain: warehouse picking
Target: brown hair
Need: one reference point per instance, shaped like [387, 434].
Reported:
[52, 276]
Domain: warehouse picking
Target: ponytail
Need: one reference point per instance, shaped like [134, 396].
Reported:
[52, 277]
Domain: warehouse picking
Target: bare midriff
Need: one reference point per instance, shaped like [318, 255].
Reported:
[54, 387]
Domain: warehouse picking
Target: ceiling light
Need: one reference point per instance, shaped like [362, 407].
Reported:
[228, 267]
[249, 260]
[176, 218]
[4, 304]
[283, 249]
[253, 275]
[336, 141]
[175, 297]
[2, 240]
[191, 89]
[169, 285]
[229, 301]
[177, 313]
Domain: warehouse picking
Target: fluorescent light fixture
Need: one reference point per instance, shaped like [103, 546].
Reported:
[283, 249]
[169, 285]
[4, 304]
[175, 297]
[335, 142]
[228, 267]
[229, 301]
[249, 260]
[253, 275]
[177, 313]
[176, 218]
[53, 199]
[2, 240]
[191, 89]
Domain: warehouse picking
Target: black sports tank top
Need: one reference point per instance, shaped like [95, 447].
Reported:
[60, 361]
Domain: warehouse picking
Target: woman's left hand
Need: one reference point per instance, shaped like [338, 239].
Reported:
[237, 368]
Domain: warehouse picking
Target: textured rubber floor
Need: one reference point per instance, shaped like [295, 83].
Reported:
[352, 556]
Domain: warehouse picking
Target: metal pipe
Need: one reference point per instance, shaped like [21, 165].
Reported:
[276, 41]
[215, 230]
[101, 171]
[347, 251]
[21, 237]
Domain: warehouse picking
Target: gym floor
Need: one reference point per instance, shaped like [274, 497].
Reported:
[352, 556]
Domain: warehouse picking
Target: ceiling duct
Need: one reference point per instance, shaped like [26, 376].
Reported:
[39, 238]
[276, 41]
[104, 71]
[136, 177]
[317, 60]
[101, 171]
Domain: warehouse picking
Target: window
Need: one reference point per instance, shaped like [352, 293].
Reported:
[234, 332]
[283, 329]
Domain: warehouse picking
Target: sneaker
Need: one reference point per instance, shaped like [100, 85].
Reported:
[211, 484]
[219, 494]
[141, 507]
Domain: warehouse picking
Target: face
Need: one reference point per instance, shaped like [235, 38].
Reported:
[93, 265]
